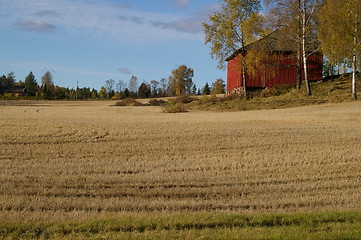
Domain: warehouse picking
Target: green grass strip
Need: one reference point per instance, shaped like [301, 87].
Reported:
[328, 225]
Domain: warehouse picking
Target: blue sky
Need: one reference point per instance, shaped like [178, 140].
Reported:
[90, 41]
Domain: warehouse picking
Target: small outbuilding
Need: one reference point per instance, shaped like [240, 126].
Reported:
[277, 67]
[18, 91]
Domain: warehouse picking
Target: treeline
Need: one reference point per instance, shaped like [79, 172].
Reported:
[179, 83]
[47, 89]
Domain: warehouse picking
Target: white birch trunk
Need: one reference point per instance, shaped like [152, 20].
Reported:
[244, 81]
[354, 95]
[299, 51]
[354, 58]
[299, 64]
[244, 69]
[305, 70]
[304, 50]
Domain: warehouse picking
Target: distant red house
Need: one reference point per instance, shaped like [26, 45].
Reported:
[279, 68]
[18, 91]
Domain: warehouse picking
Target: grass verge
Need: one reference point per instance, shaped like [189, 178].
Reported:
[330, 91]
[327, 225]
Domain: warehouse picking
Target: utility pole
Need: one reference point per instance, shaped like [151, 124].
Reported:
[76, 92]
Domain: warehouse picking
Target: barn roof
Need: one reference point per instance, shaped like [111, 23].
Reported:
[16, 89]
[275, 42]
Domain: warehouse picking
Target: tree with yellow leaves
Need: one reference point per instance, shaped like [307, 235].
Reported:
[340, 33]
[232, 28]
[180, 82]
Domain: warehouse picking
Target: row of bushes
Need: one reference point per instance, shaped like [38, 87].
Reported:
[179, 104]
[269, 98]
[133, 102]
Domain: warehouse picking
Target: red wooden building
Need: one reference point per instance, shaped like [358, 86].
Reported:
[278, 66]
[17, 91]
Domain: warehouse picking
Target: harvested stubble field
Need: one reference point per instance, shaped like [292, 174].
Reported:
[89, 160]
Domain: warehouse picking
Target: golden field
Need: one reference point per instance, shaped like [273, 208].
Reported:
[82, 160]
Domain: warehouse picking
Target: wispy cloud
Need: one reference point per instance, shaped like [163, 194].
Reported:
[35, 26]
[54, 68]
[181, 3]
[133, 19]
[97, 19]
[190, 25]
[124, 5]
[46, 13]
[124, 70]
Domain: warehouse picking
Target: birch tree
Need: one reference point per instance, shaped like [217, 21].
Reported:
[133, 85]
[340, 33]
[163, 87]
[298, 18]
[109, 85]
[121, 86]
[47, 79]
[229, 30]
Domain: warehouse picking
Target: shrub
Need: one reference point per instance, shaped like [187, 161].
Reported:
[268, 92]
[210, 99]
[230, 98]
[128, 102]
[205, 98]
[173, 107]
[156, 102]
[185, 99]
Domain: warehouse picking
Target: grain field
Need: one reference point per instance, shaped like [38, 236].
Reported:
[61, 160]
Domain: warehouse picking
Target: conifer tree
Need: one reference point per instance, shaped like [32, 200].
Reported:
[30, 84]
[144, 90]
[194, 89]
[206, 89]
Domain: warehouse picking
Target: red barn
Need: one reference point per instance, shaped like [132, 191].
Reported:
[278, 66]
[18, 91]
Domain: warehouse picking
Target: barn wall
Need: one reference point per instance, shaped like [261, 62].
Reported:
[234, 74]
[15, 94]
[282, 73]
[315, 67]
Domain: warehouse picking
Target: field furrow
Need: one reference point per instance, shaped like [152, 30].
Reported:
[90, 159]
